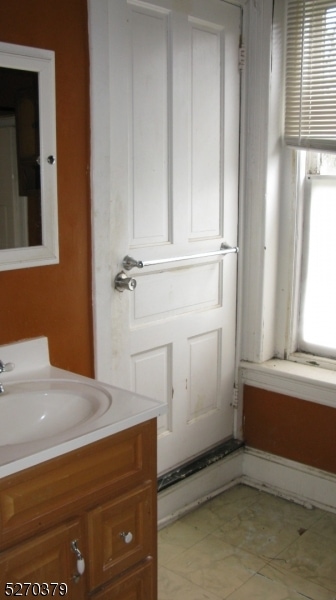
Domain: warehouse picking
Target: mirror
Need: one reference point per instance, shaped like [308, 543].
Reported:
[28, 176]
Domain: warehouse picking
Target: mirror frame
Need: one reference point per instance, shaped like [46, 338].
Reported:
[43, 62]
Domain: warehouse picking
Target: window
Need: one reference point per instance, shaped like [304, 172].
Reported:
[310, 126]
[317, 314]
[311, 74]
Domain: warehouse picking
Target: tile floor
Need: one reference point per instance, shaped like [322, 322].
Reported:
[249, 545]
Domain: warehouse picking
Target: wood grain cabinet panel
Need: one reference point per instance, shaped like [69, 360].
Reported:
[120, 534]
[43, 562]
[138, 584]
[104, 496]
[36, 497]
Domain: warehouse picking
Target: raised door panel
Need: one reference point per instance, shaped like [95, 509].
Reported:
[120, 534]
[149, 126]
[47, 563]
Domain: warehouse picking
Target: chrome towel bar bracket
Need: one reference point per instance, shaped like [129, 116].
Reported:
[129, 262]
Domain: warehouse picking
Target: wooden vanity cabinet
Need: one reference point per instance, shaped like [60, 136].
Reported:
[101, 496]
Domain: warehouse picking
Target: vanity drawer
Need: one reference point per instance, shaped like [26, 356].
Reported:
[137, 584]
[33, 499]
[120, 534]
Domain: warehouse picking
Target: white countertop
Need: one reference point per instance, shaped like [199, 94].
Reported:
[31, 359]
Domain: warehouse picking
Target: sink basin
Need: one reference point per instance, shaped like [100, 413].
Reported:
[35, 410]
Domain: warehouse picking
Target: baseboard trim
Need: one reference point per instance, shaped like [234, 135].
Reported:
[182, 497]
[285, 478]
[200, 462]
[289, 479]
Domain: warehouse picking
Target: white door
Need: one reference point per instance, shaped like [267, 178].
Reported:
[165, 140]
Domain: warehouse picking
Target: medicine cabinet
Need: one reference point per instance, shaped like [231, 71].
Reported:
[28, 166]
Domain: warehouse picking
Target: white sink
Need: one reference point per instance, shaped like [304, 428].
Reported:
[39, 409]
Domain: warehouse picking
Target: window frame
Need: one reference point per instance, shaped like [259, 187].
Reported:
[271, 211]
[293, 222]
[270, 219]
[290, 276]
[300, 350]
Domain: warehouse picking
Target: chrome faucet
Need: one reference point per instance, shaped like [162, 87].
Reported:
[4, 368]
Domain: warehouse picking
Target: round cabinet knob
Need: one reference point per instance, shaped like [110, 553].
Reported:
[51, 159]
[127, 537]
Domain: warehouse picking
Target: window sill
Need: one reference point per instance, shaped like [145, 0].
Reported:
[307, 382]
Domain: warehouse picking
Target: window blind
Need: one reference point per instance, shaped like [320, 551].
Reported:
[310, 115]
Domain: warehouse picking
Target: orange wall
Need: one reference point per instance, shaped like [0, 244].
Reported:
[292, 428]
[55, 301]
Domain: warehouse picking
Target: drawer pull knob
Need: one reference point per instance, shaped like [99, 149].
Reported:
[127, 537]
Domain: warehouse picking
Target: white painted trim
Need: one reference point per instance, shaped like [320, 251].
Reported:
[241, 211]
[279, 476]
[259, 247]
[292, 379]
[183, 497]
[305, 485]
[101, 182]
[289, 479]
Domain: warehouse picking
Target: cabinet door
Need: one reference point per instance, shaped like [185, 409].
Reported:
[120, 534]
[138, 584]
[47, 563]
